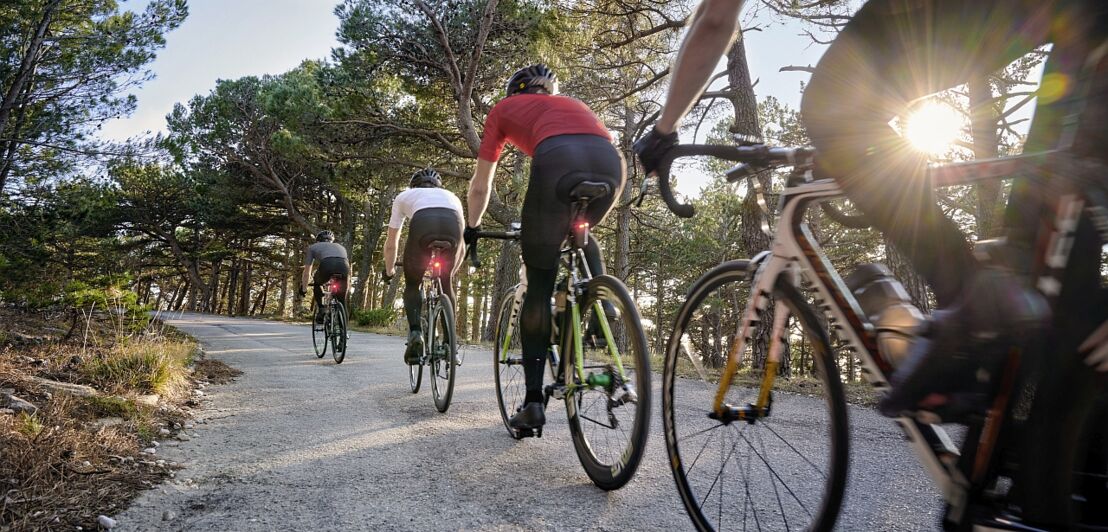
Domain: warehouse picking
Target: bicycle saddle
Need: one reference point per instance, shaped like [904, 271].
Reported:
[589, 190]
[441, 245]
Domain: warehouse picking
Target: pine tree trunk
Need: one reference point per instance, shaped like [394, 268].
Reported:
[983, 125]
[463, 306]
[506, 276]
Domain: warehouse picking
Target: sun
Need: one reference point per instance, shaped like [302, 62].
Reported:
[933, 127]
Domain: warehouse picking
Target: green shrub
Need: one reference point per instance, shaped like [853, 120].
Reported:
[142, 367]
[378, 317]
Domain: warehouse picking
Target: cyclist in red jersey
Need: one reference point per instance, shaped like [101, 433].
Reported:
[568, 144]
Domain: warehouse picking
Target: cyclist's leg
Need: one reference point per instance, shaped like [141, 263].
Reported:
[317, 293]
[534, 325]
[891, 53]
[414, 263]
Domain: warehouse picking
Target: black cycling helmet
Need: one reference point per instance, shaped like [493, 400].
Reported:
[426, 178]
[533, 77]
[325, 236]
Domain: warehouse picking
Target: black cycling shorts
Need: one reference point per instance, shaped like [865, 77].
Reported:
[559, 163]
[427, 226]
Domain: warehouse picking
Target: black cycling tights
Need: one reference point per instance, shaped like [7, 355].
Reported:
[535, 318]
[559, 164]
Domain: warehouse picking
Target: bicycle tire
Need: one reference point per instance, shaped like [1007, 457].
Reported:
[338, 332]
[614, 470]
[673, 415]
[508, 374]
[441, 365]
[319, 338]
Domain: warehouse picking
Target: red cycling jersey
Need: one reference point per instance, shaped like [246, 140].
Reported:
[525, 120]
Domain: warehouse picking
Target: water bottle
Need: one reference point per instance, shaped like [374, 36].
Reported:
[888, 307]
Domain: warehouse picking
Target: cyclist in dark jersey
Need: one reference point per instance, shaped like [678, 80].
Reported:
[891, 53]
[332, 260]
[568, 144]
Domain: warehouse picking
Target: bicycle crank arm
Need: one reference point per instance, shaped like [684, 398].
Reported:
[748, 413]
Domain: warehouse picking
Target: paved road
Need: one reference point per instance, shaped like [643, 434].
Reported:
[301, 443]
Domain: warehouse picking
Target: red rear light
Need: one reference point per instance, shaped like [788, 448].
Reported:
[583, 225]
[437, 264]
[336, 287]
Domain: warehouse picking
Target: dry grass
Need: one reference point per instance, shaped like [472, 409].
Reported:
[59, 469]
[56, 473]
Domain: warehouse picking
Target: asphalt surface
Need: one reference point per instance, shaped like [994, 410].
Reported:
[300, 443]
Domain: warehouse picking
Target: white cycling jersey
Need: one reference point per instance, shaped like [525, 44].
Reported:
[410, 201]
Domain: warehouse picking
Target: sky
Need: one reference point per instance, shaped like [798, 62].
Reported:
[226, 39]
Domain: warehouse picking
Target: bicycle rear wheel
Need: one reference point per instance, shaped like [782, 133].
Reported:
[786, 468]
[319, 338]
[338, 332]
[609, 409]
[507, 362]
[442, 348]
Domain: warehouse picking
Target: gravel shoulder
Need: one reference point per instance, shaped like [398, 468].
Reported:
[301, 443]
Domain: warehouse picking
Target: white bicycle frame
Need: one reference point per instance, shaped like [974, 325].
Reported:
[795, 256]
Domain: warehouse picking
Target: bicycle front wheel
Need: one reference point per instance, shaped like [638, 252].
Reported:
[507, 361]
[442, 349]
[783, 467]
[338, 332]
[608, 403]
[319, 337]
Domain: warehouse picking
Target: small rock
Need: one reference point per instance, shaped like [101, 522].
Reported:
[149, 450]
[148, 400]
[168, 515]
[189, 426]
[106, 522]
[86, 463]
[79, 390]
[107, 422]
[183, 437]
[154, 444]
[161, 463]
[128, 459]
[163, 432]
[7, 411]
[198, 393]
[18, 405]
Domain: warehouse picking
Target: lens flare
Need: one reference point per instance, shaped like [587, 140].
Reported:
[933, 127]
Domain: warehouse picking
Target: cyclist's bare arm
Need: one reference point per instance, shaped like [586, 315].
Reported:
[307, 276]
[710, 33]
[392, 242]
[480, 188]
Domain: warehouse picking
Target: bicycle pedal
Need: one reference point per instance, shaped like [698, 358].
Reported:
[529, 433]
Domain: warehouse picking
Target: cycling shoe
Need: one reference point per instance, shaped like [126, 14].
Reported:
[415, 348]
[531, 416]
[964, 347]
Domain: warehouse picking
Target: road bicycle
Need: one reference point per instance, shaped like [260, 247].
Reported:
[603, 373]
[437, 325]
[332, 331]
[741, 450]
